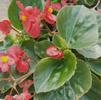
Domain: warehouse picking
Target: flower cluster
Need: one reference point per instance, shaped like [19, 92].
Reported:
[14, 56]
[25, 95]
[31, 18]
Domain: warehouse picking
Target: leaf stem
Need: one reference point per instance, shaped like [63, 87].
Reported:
[6, 79]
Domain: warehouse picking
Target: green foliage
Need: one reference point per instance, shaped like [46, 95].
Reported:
[88, 3]
[76, 27]
[51, 74]
[4, 86]
[77, 32]
[77, 86]
[95, 91]
[40, 48]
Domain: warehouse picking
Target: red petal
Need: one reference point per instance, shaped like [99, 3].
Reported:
[53, 52]
[22, 66]
[9, 97]
[5, 27]
[26, 84]
[34, 30]
[20, 5]
[56, 6]
[15, 52]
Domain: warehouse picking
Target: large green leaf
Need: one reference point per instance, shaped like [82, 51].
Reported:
[79, 29]
[13, 11]
[95, 92]
[73, 89]
[95, 66]
[94, 51]
[51, 74]
[64, 93]
[82, 80]
[91, 52]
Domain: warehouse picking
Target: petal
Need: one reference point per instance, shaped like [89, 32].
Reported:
[15, 52]
[5, 27]
[11, 61]
[22, 66]
[5, 68]
[34, 30]
[56, 6]
[20, 5]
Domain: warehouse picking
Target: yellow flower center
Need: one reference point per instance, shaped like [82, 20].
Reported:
[4, 59]
[23, 18]
[50, 10]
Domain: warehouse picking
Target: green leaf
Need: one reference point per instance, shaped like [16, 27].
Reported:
[59, 41]
[40, 48]
[64, 93]
[95, 66]
[95, 92]
[91, 52]
[8, 41]
[82, 80]
[39, 3]
[51, 74]
[28, 47]
[94, 51]
[73, 89]
[79, 29]
[13, 11]
[4, 85]
[88, 3]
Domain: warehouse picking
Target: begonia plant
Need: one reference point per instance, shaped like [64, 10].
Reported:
[51, 50]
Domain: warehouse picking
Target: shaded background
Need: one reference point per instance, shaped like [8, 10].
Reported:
[3, 8]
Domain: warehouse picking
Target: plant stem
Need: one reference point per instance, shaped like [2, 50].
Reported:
[48, 29]
[22, 78]
[6, 79]
[16, 30]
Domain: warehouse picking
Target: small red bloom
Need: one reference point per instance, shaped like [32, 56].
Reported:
[22, 61]
[23, 96]
[47, 13]
[9, 97]
[5, 62]
[26, 84]
[30, 18]
[53, 52]
[22, 66]
[5, 27]
[15, 52]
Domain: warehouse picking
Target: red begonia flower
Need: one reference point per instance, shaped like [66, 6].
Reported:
[5, 62]
[22, 61]
[5, 27]
[15, 52]
[47, 13]
[23, 96]
[53, 52]
[9, 97]
[26, 84]
[30, 18]
[22, 66]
